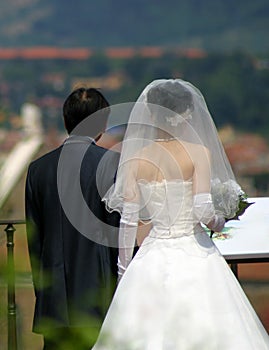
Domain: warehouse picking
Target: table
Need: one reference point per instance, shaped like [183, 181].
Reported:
[248, 238]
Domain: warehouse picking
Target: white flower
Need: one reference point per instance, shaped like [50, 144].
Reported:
[177, 118]
[226, 197]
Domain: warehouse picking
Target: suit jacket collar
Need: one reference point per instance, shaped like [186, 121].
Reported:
[79, 139]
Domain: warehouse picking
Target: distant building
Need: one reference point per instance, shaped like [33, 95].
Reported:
[249, 157]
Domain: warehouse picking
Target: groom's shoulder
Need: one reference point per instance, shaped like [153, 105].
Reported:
[50, 158]
[104, 161]
[103, 153]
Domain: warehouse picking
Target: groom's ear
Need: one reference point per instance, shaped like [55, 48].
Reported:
[65, 125]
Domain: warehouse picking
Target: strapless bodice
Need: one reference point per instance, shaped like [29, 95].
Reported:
[169, 204]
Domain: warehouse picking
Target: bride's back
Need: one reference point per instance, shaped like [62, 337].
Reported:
[174, 160]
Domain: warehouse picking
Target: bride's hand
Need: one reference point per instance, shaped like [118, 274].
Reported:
[216, 224]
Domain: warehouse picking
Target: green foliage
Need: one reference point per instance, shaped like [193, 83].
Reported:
[235, 88]
[213, 25]
[73, 337]
[242, 207]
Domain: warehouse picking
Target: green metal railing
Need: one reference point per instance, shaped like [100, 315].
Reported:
[9, 228]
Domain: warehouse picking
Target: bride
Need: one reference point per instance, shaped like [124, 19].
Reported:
[177, 293]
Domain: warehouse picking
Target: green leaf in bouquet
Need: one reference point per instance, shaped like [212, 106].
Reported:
[242, 207]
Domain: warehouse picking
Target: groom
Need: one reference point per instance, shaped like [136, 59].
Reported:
[68, 228]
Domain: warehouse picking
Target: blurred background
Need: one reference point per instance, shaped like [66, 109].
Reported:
[48, 48]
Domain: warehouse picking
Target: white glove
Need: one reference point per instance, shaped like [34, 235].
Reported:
[204, 212]
[127, 235]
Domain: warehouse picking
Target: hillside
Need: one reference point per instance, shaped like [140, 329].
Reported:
[214, 25]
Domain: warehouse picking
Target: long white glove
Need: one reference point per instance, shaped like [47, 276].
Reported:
[204, 212]
[127, 235]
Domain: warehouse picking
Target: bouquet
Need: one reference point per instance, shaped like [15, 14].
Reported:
[229, 200]
[242, 206]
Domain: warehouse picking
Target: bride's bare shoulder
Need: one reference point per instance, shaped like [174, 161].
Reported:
[195, 148]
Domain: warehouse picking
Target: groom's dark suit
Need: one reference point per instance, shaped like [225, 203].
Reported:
[74, 277]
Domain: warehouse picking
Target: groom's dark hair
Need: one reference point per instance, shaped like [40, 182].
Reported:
[81, 103]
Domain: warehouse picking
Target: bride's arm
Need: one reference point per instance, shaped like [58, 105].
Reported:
[129, 219]
[142, 232]
[204, 210]
[127, 235]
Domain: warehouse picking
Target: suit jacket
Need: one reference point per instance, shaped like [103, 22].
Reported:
[74, 275]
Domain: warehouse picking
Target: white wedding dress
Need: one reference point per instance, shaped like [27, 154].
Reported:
[178, 293]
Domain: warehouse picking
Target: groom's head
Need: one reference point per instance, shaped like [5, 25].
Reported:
[82, 103]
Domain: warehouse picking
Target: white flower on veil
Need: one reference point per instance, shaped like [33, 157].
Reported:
[177, 119]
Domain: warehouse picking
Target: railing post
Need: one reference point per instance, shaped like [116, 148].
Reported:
[12, 327]
[234, 268]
